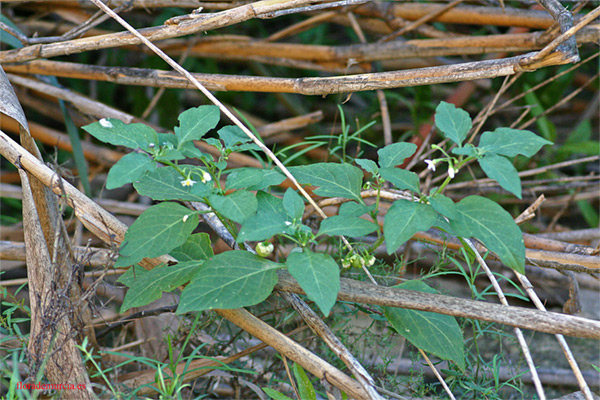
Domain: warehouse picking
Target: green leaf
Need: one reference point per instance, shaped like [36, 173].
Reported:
[275, 395]
[353, 209]
[502, 171]
[318, 275]
[487, 221]
[545, 126]
[115, 132]
[159, 229]
[403, 220]
[510, 142]
[401, 178]
[237, 206]
[230, 280]
[269, 203]
[165, 184]
[148, 286]
[395, 154]
[305, 387]
[444, 205]
[434, 333]
[195, 123]
[9, 39]
[334, 180]
[270, 178]
[346, 225]
[243, 178]
[468, 150]
[232, 135]
[190, 150]
[293, 204]
[454, 123]
[368, 165]
[128, 169]
[253, 178]
[196, 247]
[263, 225]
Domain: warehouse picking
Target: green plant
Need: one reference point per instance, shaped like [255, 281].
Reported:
[241, 278]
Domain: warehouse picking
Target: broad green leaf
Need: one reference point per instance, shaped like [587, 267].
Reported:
[115, 132]
[168, 148]
[190, 150]
[469, 151]
[444, 205]
[454, 123]
[395, 154]
[232, 135]
[510, 142]
[253, 178]
[270, 178]
[305, 387]
[196, 122]
[230, 280]
[128, 169]
[165, 184]
[334, 180]
[437, 334]
[275, 395]
[159, 229]
[403, 220]
[148, 286]
[242, 178]
[353, 209]
[293, 204]
[269, 203]
[368, 165]
[263, 225]
[237, 206]
[318, 275]
[488, 222]
[346, 225]
[196, 247]
[401, 178]
[502, 171]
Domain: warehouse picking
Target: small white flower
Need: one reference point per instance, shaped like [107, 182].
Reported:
[187, 182]
[205, 177]
[451, 172]
[288, 223]
[369, 260]
[430, 164]
[105, 123]
[185, 218]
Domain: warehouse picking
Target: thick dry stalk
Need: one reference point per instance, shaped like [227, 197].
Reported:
[366, 293]
[294, 351]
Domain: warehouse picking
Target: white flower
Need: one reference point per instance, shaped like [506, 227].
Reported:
[105, 123]
[369, 260]
[430, 164]
[451, 171]
[187, 182]
[205, 177]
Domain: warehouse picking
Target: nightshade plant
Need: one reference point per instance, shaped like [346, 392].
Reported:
[241, 278]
